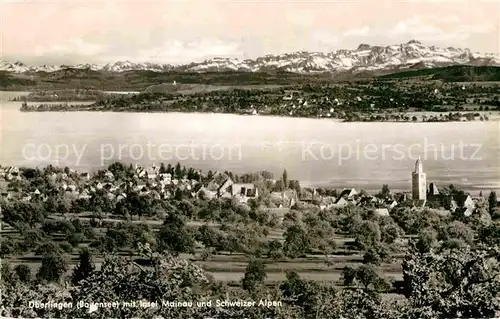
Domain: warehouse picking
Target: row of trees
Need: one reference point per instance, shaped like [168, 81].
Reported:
[454, 284]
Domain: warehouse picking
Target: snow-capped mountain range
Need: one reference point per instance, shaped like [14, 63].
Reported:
[364, 58]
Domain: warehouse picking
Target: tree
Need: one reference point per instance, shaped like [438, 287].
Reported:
[138, 205]
[295, 185]
[115, 239]
[372, 257]
[367, 234]
[170, 169]
[53, 267]
[297, 241]
[208, 236]
[166, 279]
[426, 240]
[492, 202]
[33, 238]
[118, 170]
[23, 272]
[279, 186]
[348, 275]
[490, 234]
[178, 194]
[178, 171]
[84, 268]
[47, 247]
[285, 179]
[367, 276]
[255, 275]
[390, 231]
[174, 236]
[163, 169]
[454, 283]
[275, 249]
[385, 192]
[6, 274]
[456, 230]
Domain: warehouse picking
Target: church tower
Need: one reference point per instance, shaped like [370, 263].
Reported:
[418, 182]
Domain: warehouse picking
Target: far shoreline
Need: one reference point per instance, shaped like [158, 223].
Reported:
[87, 106]
[495, 115]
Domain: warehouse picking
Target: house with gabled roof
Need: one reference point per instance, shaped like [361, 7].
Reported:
[286, 198]
[349, 193]
[225, 189]
[165, 178]
[12, 170]
[309, 196]
[418, 203]
[390, 204]
[341, 202]
[201, 191]
[139, 171]
[346, 197]
[433, 190]
[327, 202]
[84, 194]
[462, 204]
[244, 192]
[85, 176]
[152, 172]
[121, 196]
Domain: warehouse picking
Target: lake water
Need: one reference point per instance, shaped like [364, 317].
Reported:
[316, 152]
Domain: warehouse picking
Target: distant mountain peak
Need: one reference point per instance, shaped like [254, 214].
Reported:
[363, 46]
[414, 42]
[365, 58]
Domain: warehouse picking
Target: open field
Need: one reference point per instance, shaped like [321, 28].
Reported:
[199, 88]
[230, 268]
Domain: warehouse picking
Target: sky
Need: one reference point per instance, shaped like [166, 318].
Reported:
[183, 31]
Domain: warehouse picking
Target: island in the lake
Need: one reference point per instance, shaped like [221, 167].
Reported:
[418, 96]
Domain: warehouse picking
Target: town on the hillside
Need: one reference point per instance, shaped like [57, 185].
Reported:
[251, 237]
[162, 182]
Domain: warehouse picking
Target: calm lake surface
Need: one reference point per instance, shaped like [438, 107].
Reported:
[316, 152]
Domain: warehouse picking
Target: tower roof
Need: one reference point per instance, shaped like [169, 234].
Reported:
[418, 166]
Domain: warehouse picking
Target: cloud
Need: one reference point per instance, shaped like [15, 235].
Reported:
[433, 28]
[138, 49]
[325, 38]
[451, 18]
[177, 51]
[448, 30]
[300, 18]
[73, 46]
[360, 32]
[414, 26]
